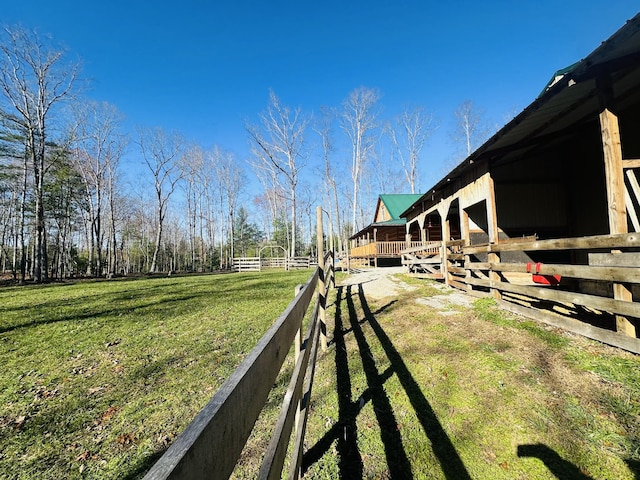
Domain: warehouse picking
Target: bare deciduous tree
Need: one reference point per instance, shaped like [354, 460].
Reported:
[34, 80]
[409, 134]
[323, 128]
[278, 147]
[359, 120]
[161, 153]
[99, 148]
[193, 166]
[470, 128]
[231, 179]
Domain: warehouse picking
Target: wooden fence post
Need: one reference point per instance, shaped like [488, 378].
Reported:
[616, 190]
[298, 340]
[321, 291]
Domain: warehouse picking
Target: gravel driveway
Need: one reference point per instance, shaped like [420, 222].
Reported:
[376, 282]
[380, 283]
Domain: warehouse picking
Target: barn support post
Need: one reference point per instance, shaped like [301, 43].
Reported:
[466, 236]
[492, 226]
[421, 221]
[443, 210]
[616, 191]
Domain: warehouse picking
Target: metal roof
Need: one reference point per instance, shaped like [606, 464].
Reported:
[572, 99]
[395, 203]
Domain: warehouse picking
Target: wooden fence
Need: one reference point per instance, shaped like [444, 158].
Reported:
[256, 264]
[593, 291]
[424, 260]
[212, 443]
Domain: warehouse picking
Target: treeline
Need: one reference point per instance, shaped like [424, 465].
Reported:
[65, 206]
[68, 208]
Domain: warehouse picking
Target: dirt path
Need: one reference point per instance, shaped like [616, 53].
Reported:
[382, 282]
[377, 282]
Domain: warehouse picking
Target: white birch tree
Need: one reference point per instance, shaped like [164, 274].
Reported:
[161, 153]
[470, 128]
[359, 121]
[34, 81]
[278, 147]
[409, 134]
[323, 129]
[230, 183]
[99, 149]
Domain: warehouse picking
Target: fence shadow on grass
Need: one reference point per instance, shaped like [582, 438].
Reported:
[634, 466]
[345, 430]
[557, 465]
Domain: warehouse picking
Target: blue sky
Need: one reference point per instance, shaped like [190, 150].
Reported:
[203, 67]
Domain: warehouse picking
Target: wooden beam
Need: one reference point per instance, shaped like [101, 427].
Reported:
[614, 179]
[631, 163]
[614, 306]
[627, 240]
[576, 326]
[443, 210]
[630, 259]
[609, 273]
[492, 227]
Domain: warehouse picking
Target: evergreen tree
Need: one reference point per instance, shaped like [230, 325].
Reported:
[247, 235]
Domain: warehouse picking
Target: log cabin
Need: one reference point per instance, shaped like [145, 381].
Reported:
[385, 236]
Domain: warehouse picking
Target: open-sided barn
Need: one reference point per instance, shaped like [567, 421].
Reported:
[544, 215]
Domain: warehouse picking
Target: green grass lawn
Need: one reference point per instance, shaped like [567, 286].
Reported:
[98, 377]
[405, 392]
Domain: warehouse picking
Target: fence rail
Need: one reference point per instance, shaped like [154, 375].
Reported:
[595, 292]
[212, 443]
[256, 264]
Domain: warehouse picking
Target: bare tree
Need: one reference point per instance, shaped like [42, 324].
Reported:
[278, 147]
[359, 120]
[323, 128]
[161, 153]
[193, 169]
[34, 80]
[409, 134]
[231, 179]
[470, 128]
[99, 148]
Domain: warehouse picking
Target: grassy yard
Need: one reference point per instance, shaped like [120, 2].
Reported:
[98, 377]
[405, 392]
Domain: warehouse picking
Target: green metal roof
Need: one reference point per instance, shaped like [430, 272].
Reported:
[398, 203]
[558, 75]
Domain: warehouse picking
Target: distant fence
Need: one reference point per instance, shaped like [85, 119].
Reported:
[212, 443]
[256, 264]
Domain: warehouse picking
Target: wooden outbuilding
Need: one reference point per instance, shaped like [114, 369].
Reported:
[385, 236]
[544, 215]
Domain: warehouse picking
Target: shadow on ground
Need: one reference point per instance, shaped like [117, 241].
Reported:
[345, 430]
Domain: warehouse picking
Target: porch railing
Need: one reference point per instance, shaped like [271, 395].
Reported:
[381, 249]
